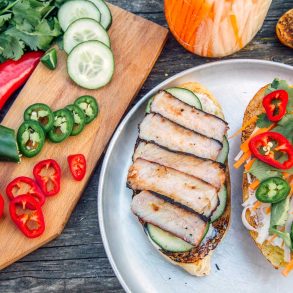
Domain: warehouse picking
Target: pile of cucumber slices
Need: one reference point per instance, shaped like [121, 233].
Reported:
[90, 62]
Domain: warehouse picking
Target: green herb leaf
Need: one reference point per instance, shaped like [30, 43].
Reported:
[285, 127]
[263, 121]
[284, 235]
[263, 171]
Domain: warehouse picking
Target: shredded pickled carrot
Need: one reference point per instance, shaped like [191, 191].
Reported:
[254, 184]
[268, 210]
[233, 20]
[249, 165]
[272, 238]
[242, 160]
[256, 205]
[286, 175]
[249, 122]
[288, 269]
[245, 145]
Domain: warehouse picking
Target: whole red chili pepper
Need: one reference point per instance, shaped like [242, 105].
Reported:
[48, 176]
[275, 104]
[25, 186]
[1, 206]
[27, 214]
[77, 165]
[264, 147]
[14, 74]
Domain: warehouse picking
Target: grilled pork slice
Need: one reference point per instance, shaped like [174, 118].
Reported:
[188, 116]
[187, 190]
[183, 224]
[207, 170]
[164, 132]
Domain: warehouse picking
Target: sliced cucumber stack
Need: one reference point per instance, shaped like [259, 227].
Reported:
[91, 64]
[223, 155]
[82, 30]
[76, 9]
[221, 207]
[185, 96]
[106, 16]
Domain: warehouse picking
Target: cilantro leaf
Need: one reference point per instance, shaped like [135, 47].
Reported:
[263, 121]
[10, 47]
[263, 171]
[285, 127]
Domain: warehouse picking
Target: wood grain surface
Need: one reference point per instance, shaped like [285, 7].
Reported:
[76, 261]
[133, 62]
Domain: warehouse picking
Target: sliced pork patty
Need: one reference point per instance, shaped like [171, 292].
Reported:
[207, 170]
[183, 224]
[164, 132]
[188, 116]
[187, 190]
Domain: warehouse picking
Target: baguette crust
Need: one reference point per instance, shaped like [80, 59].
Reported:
[197, 261]
[273, 254]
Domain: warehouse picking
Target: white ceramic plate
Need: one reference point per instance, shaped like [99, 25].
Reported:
[138, 266]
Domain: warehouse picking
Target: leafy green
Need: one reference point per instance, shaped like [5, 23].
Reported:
[279, 215]
[285, 127]
[284, 235]
[263, 121]
[27, 25]
[263, 171]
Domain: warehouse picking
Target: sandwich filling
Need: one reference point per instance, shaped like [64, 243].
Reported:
[268, 157]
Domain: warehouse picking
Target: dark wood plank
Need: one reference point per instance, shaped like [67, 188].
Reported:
[76, 261]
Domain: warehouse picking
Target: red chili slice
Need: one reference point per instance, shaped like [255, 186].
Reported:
[25, 186]
[275, 104]
[77, 165]
[264, 146]
[27, 215]
[48, 175]
[1, 206]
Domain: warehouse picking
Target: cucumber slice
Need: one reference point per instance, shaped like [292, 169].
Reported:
[91, 65]
[148, 107]
[185, 96]
[167, 241]
[221, 207]
[76, 9]
[82, 30]
[223, 155]
[106, 16]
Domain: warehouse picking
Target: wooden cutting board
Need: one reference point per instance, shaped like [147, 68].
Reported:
[136, 44]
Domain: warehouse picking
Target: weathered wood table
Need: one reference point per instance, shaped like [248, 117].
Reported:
[76, 261]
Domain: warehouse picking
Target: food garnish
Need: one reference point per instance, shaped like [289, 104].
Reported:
[27, 215]
[48, 175]
[77, 165]
[30, 138]
[25, 186]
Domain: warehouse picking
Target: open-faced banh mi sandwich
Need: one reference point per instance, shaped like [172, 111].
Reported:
[267, 152]
[180, 176]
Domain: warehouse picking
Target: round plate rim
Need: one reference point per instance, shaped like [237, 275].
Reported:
[127, 117]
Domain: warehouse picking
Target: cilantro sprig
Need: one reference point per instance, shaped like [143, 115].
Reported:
[27, 25]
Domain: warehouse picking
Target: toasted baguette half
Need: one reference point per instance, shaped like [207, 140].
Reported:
[197, 261]
[273, 254]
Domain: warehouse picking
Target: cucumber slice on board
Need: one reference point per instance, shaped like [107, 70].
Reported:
[167, 241]
[82, 30]
[185, 96]
[106, 16]
[76, 9]
[223, 155]
[91, 65]
[221, 207]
